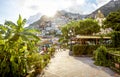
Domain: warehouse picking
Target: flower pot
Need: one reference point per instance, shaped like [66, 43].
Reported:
[117, 65]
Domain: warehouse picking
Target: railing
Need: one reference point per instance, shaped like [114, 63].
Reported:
[114, 60]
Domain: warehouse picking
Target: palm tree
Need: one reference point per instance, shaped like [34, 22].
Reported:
[15, 44]
[16, 31]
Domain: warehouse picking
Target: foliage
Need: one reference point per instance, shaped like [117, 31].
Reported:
[87, 27]
[110, 58]
[113, 21]
[81, 27]
[84, 49]
[100, 56]
[115, 39]
[114, 58]
[51, 51]
[15, 48]
[70, 26]
[37, 62]
[62, 40]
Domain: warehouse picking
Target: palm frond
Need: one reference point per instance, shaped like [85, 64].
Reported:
[24, 38]
[31, 30]
[23, 22]
[19, 21]
[31, 34]
[8, 35]
[3, 29]
[1, 37]
[10, 24]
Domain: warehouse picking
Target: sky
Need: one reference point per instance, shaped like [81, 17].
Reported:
[10, 9]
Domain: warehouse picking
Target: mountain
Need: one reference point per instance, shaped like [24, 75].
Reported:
[111, 6]
[61, 17]
[51, 25]
[34, 18]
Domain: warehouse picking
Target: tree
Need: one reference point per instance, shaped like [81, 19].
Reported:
[66, 30]
[81, 27]
[16, 45]
[17, 31]
[87, 27]
[113, 21]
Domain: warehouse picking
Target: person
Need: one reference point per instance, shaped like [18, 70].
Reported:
[45, 49]
[59, 47]
[42, 52]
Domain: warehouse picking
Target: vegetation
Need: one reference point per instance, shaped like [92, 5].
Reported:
[113, 21]
[107, 57]
[18, 50]
[82, 27]
[100, 56]
[110, 57]
[115, 39]
[79, 50]
[87, 27]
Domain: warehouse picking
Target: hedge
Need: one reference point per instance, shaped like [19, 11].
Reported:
[100, 56]
[114, 57]
[108, 57]
[79, 50]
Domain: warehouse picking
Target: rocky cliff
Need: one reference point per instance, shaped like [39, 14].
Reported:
[111, 6]
[60, 18]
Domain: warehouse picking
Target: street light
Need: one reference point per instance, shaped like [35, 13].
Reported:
[70, 34]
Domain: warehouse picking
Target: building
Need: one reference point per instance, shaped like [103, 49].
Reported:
[99, 17]
[91, 40]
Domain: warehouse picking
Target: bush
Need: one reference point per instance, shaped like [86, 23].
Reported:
[51, 51]
[18, 52]
[108, 57]
[84, 49]
[100, 56]
[116, 39]
[37, 62]
[34, 64]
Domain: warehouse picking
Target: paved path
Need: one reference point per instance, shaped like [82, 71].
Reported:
[63, 65]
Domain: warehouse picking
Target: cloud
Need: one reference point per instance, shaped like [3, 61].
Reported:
[87, 6]
[34, 7]
[101, 2]
[44, 6]
[82, 7]
[28, 8]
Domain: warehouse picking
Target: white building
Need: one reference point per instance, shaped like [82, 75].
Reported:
[100, 18]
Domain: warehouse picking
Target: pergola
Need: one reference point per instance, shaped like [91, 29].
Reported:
[89, 39]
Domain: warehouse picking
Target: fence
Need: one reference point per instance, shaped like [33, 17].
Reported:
[114, 60]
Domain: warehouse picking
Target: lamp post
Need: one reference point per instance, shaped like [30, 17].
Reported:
[70, 34]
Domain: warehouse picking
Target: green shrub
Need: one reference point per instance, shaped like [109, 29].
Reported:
[114, 58]
[116, 39]
[84, 49]
[77, 49]
[100, 56]
[115, 55]
[34, 61]
[51, 51]
[15, 48]
[18, 51]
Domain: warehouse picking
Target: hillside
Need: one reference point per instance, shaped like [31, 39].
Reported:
[60, 18]
[111, 6]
